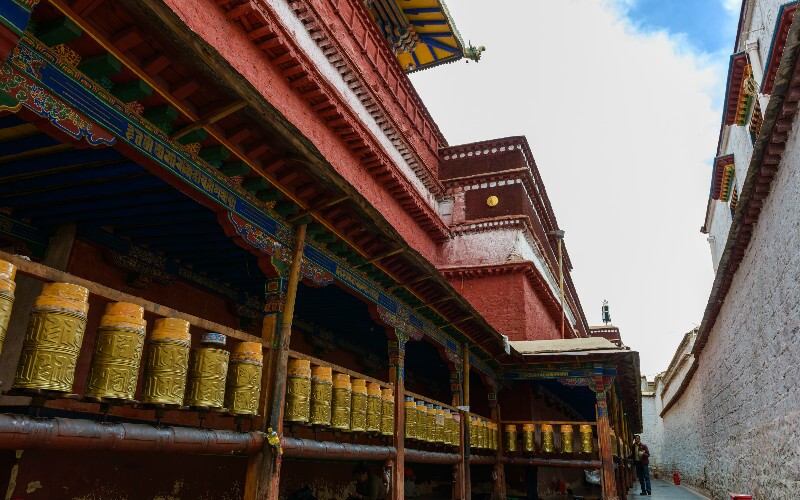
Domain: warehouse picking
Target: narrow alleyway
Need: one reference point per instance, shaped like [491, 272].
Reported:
[667, 490]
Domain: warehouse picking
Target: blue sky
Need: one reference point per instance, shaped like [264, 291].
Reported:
[709, 25]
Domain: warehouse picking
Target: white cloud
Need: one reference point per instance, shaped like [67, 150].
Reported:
[732, 6]
[623, 128]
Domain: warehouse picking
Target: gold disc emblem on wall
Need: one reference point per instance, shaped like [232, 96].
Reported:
[492, 201]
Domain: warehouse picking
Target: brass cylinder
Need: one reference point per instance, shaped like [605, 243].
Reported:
[528, 438]
[457, 429]
[208, 368]
[447, 434]
[587, 442]
[373, 407]
[167, 362]
[511, 438]
[358, 411]
[321, 395]
[566, 439]
[7, 285]
[439, 419]
[422, 421]
[243, 386]
[473, 433]
[53, 339]
[547, 438]
[411, 418]
[484, 434]
[341, 400]
[387, 412]
[117, 352]
[298, 391]
[495, 435]
[430, 419]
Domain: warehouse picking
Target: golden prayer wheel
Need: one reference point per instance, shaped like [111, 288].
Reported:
[439, 423]
[566, 439]
[7, 286]
[547, 438]
[411, 418]
[53, 339]
[373, 407]
[422, 422]
[243, 386]
[117, 352]
[528, 438]
[387, 412]
[298, 391]
[587, 442]
[457, 429]
[430, 420]
[495, 435]
[447, 432]
[341, 401]
[208, 368]
[358, 412]
[473, 432]
[484, 434]
[321, 395]
[511, 437]
[167, 362]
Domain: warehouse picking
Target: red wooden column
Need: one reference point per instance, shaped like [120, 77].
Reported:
[397, 359]
[264, 471]
[604, 436]
[456, 389]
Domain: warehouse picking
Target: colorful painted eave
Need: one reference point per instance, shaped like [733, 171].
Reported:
[722, 177]
[779, 36]
[737, 70]
[421, 33]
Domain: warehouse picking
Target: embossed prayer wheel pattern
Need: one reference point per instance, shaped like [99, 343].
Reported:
[373, 408]
[167, 362]
[566, 439]
[208, 368]
[243, 385]
[358, 411]
[528, 438]
[298, 391]
[117, 352]
[7, 285]
[411, 418]
[340, 413]
[387, 412]
[547, 438]
[587, 442]
[321, 395]
[53, 339]
[511, 438]
[438, 416]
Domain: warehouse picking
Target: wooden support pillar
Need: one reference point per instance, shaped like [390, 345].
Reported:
[264, 469]
[499, 492]
[465, 438]
[397, 360]
[456, 390]
[604, 437]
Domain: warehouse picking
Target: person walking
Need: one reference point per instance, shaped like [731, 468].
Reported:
[641, 457]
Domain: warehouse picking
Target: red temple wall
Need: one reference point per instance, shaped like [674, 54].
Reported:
[209, 22]
[492, 294]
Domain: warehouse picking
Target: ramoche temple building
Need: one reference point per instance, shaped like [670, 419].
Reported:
[239, 256]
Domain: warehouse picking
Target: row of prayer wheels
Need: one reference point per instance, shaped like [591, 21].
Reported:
[430, 423]
[547, 438]
[208, 376]
[315, 395]
[482, 434]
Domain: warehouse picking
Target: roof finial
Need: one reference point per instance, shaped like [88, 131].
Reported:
[474, 53]
[606, 313]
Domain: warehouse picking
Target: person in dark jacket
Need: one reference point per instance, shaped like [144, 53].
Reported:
[641, 457]
[368, 485]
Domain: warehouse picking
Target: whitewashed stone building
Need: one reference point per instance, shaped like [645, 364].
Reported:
[730, 402]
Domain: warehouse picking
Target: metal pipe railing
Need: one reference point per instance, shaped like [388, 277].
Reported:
[328, 450]
[20, 432]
